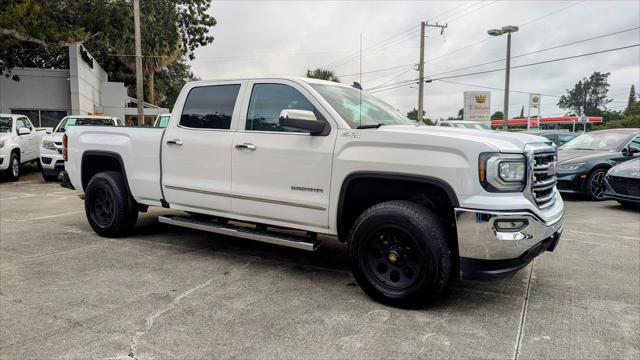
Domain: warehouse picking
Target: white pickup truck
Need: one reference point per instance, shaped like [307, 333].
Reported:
[19, 143]
[283, 160]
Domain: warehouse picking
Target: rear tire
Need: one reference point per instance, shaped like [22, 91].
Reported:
[399, 254]
[111, 210]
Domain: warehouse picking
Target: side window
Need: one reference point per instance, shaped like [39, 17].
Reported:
[563, 138]
[27, 122]
[445, 124]
[635, 142]
[209, 107]
[268, 100]
[20, 124]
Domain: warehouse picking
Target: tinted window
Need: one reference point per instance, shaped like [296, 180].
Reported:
[563, 138]
[597, 140]
[635, 142]
[5, 124]
[51, 118]
[31, 114]
[445, 124]
[83, 121]
[210, 107]
[268, 100]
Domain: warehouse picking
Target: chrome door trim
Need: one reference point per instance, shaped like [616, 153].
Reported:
[242, 197]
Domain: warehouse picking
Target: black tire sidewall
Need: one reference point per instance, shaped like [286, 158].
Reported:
[426, 229]
[124, 207]
[588, 189]
[9, 171]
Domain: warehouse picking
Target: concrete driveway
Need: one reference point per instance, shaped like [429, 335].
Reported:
[175, 293]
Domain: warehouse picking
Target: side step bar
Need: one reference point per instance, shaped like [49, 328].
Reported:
[298, 242]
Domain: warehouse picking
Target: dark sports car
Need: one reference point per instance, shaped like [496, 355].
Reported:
[583, 162]
[622, 183]
[557, 136]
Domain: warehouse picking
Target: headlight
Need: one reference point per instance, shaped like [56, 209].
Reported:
[502, 172]
[570, 167]
[49, 145]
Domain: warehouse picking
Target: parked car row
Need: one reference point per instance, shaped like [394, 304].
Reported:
[21, 143]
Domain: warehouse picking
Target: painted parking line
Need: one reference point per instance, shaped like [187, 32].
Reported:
[42, 217]
[16, 196]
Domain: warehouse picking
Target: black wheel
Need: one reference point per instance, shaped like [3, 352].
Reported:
[13, 171]
[110, 209]
[47, 176]
[399, 254]
[594, 188]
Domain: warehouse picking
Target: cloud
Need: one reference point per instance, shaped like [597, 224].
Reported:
[266, 38]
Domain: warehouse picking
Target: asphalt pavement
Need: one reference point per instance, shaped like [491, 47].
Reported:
[167, 292]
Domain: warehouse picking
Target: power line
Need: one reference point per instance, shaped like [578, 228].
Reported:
[395, 77]
[540, 62]
[404, 83]
[378, 70]
[495, 88]
[538, 51]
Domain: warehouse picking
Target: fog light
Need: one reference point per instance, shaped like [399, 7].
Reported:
[511, 225]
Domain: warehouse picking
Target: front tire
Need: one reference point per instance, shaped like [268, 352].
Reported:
[594, 188]
[13, 171]
[399, 254]
[110, 209]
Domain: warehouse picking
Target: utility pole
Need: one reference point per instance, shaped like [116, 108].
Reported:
[421, 71]
[138, 41]
[505, 123]
[424, 25]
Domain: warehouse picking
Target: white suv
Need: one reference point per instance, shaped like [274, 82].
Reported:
[51, 146]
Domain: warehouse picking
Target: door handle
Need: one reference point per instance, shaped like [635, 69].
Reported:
[247, 146]
[174, 142]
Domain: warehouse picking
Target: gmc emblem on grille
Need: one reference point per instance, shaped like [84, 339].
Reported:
[551, 170]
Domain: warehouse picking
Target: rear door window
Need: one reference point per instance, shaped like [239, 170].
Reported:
[210, 107]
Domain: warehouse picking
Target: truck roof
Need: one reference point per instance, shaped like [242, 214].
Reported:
[292, 78]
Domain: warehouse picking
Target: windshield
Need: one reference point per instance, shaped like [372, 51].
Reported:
[471, 126]
[5, 124]
[598, 140]
[62, 127]
[371, 111]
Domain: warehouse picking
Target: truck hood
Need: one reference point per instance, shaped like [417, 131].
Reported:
[499, 140]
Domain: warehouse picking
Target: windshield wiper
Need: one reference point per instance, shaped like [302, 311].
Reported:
[370, 126]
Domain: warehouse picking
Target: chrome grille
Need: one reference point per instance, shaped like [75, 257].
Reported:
[543, 177]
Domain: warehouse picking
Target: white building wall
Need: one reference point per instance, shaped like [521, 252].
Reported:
[38, 89]
[86, 82]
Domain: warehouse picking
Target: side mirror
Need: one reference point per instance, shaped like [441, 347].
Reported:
[632, 150]
[303, 120]
[24, 131]
[49, 132]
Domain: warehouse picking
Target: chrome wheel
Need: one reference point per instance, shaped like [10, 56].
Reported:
[15, 167]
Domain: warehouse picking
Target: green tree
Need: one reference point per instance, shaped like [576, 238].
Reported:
[413, 114]
[498, 115]
[170, 30]
[322, 74]
[588, 96]
[633, 109]
[521, 113]
[169, 82]
[632, 96]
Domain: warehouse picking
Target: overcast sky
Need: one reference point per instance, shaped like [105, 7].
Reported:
[265, 38]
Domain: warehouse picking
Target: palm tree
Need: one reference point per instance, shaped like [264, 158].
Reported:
[322, 74]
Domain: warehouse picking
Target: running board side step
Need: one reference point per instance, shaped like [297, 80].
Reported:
[293, 241]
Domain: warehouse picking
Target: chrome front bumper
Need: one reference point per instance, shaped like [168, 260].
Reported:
[486, 251]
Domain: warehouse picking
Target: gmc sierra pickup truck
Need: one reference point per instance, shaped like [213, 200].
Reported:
[282, 160]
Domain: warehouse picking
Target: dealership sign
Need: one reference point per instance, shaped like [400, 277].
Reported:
[477, 106]
[534, 101]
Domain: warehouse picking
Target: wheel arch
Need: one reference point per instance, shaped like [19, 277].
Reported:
[94, 162]
[350, 205]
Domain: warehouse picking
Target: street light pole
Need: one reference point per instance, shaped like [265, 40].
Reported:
[497, 32]
[505, 124]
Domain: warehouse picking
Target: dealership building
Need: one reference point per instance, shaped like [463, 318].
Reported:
[47, 95]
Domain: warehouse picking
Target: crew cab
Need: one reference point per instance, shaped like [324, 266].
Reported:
[51, 145]
[282, 160]
[19, 142]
